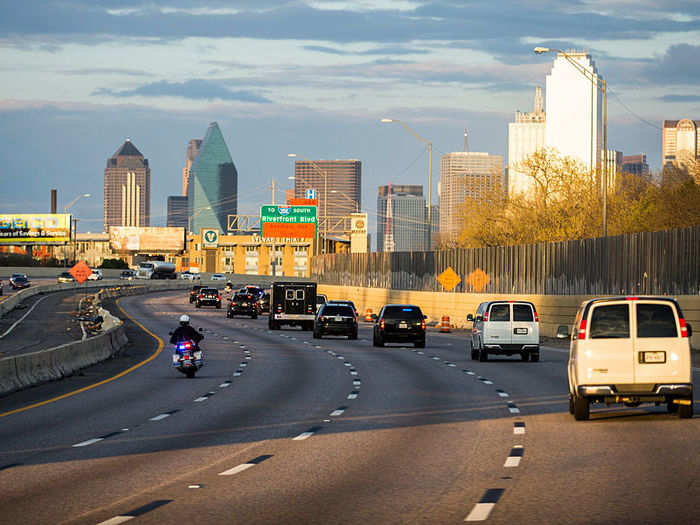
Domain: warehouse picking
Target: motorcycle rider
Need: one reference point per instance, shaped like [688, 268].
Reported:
[185, 332]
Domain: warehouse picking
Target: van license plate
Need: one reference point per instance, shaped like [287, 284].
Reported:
[521, 331]
[652, 357]
[403, 325]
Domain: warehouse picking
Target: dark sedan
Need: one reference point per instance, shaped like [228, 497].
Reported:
[335, 319]
[208, 297]
[243, 304]
[400, 323]
[19, 281]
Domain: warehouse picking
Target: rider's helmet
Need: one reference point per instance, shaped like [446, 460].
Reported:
[184, 319]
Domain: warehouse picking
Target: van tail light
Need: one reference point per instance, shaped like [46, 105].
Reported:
[486, 316]
[684, 327]
[381, 324]
[582, 329]
[218, 297]
[537, 317]
[422, 324]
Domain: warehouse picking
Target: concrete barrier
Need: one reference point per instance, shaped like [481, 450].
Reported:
[553, 310]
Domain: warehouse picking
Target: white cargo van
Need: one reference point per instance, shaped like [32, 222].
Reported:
[630, 350]
[505, 328]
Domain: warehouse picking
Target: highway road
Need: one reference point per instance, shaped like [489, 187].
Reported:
[282, 428]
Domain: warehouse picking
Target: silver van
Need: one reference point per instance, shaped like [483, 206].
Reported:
[505, 328]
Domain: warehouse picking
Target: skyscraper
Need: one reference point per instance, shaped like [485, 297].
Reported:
[574, 110]
[401, 218]
[680, 142]
[177, 211]
[525, 137]
[340, 181]
[635, 164]
[212, 192]
[465, 175]
[127, 200]
[192, 150]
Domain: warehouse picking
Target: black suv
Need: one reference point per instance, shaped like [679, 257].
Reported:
[335, 319]
[243, 304]
[194, 292]
[400, 323]
[208, 297]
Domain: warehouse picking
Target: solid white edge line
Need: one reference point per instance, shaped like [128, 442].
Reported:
[23, 317]
[512, 461]
[159, 417]
[88, 442]
[303, 436]
[237, 469]
[116, 520]
[480, 512]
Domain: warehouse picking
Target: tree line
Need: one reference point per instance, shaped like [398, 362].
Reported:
[565, 203]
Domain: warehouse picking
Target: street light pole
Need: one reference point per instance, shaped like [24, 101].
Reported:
[599, 84]
[430, 173]
[65, 210]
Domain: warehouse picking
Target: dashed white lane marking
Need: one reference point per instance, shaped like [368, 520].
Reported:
[487, 382]
[88, 442]
[337, 412]
[347, 364]
[480, 512]
[420, 353]
[519, 427]
[225, 385]
[200, 399]
[116, 520]
[503, 394]
[353, 373]
[516, 454]
[357, 382]
[159, 417]
[237, 469]
[236, 374]
[352, 396]
[513, 409]
[468, 372]
[436, 358]
[303, 436]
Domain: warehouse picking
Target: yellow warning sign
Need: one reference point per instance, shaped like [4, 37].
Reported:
[449, 279]
[478, 280]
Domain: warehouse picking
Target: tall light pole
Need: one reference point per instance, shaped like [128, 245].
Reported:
[65, 210]
[324, 173]
[600, 84]
[430, 172]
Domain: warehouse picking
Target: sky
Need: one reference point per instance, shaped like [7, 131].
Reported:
[314, 78]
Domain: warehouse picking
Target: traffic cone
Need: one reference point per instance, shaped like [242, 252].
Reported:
[368, 315]
[445, 324]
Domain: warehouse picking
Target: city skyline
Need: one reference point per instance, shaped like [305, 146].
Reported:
[314, 77]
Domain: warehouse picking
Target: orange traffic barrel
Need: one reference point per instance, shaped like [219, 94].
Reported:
[445, 323]
[368, 315]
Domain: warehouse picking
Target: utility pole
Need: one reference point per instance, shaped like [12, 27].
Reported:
[466, 141]
[273, 191]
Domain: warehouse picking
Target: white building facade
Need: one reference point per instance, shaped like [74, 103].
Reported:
[525, 137]
[574, 109]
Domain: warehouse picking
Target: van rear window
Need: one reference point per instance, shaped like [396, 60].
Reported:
[656, 320]
[523, 312]
[500, 312]
[610, 322]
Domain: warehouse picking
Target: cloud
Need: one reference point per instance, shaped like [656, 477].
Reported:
[195, 89]
[680, 98]
[679, 65]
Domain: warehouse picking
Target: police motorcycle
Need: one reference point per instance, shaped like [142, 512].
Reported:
[187, 356]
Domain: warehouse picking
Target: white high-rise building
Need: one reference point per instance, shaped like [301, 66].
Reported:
[525, 137]
[574, 109]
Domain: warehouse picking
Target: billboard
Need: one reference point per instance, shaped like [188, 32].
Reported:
[297, 222]
[153, 239]
[35, 228]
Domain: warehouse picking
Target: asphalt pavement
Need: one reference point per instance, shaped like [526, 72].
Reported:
[282, 428]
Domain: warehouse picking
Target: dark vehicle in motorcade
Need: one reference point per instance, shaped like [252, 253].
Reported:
[252, 289]
[264, 303]
[208, 297]
[194, 292]
[292, 303]
[335, 319]
[243, 304]
[19, 281]
[347, 303]
[321, 299]
[400, 323]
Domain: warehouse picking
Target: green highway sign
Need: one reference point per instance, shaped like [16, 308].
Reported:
[288, 221]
